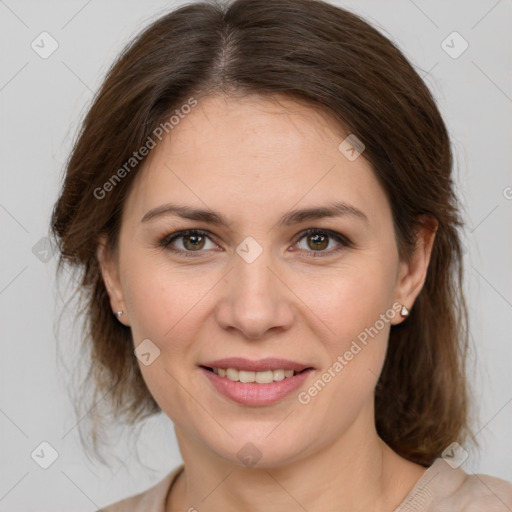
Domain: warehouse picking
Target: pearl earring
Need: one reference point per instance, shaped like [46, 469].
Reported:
[118, 314]
[404, 312]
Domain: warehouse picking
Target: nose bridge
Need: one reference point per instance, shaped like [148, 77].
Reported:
[253, 279]
[255, 300]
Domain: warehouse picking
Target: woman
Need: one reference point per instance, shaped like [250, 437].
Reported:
[261, 203]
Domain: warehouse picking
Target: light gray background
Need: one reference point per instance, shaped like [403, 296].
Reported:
[41, 102]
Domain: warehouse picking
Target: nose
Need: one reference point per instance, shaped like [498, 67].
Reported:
[255, 298]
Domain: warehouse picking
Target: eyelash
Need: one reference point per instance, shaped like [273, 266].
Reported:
[342, 240]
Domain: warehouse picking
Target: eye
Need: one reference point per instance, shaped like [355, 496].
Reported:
[318, 240]
[188, 241]
[193, 242]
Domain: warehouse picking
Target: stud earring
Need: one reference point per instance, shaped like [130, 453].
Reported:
[404, 312]
[118, 314]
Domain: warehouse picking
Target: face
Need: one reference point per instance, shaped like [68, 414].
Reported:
[318, 290]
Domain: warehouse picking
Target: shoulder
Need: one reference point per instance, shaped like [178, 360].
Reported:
[443, 488]
[480, 493]
[150, 500]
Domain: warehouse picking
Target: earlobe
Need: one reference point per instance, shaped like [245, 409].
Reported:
[413, 273]
[110, 274]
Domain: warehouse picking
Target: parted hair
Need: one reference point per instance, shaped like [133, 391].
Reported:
[314, 52]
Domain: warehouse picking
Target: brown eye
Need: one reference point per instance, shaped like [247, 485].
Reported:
[188, 242]
[318, 241]
[193, 242]
[322, 242]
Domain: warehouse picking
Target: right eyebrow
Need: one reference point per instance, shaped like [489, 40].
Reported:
[186, 212]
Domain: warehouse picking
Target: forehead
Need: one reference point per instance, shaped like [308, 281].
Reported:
[242, 155]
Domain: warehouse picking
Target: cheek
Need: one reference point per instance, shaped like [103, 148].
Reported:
[164, 303]
[347, 299]
[165, 306]
[353, 307]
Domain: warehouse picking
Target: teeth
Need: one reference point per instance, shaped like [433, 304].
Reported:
[265, 377]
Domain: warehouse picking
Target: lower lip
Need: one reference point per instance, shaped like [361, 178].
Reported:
[254, 394]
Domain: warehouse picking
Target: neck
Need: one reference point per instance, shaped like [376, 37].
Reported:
[356, 473]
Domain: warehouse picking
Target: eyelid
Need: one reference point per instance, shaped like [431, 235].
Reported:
[166, 241]
[342, 240]
[333, 234]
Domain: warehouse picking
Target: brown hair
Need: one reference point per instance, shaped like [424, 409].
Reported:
[314, 52]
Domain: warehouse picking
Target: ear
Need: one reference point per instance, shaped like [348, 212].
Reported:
[110, 272]
[412, 274]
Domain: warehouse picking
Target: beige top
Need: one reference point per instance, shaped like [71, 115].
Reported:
[440, 489]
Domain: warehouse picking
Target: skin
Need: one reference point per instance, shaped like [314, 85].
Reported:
[254, 159]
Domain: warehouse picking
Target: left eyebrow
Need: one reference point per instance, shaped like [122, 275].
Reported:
[338, 209]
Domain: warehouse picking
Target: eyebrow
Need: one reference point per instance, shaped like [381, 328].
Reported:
[338, 209]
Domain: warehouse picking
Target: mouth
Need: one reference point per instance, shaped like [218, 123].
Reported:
[256, 382]
[260, 377]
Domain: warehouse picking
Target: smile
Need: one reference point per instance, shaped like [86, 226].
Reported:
[262, 377]
[251, 388]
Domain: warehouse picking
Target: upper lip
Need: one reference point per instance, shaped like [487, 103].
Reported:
[270, 363]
